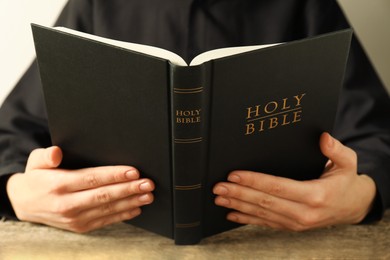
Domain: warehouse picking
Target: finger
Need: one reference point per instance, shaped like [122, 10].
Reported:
[88, 199]
[341, 155]
[44, 158]
[91, 178]
[258, 200]
[299, 191]
[243, 218]
[77, 226]
[123, 205]
[248, 213]
[112, 219]
[251, 209]
[246, 219]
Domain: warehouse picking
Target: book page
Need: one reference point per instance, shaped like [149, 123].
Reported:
[165, 54]
[146, 49]
[224, 52]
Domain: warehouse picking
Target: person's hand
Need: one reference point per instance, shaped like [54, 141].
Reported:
[76, 200]
[339, 196]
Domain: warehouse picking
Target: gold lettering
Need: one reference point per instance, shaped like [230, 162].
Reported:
[257, 112]
[250, 128]
[285, 122]
[273, 122]
[188, 116]
[297, 116]
[267, 111]
[275, 113]
[299, 98]
[261, 128]
[186, 113]
[285, 104]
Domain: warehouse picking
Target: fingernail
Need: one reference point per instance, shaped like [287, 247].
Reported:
[50, 155]
[221, 201]
[132, 174]
[135, 212]
[232, 217]
[221, 190]
[330, 141]
[234, 178]
[145, 186]
[144, 198]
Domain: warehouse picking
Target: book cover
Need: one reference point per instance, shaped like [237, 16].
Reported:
[187, 127]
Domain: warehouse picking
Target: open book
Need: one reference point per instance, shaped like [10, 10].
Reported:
[187, 127]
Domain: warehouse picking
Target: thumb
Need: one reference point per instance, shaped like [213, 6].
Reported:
[339, 154]
[44, 158]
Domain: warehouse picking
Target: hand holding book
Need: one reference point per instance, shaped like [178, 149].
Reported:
[77, 200]
[339, 196]
[87, 199]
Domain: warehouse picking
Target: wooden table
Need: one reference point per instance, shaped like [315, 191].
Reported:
[29, 241]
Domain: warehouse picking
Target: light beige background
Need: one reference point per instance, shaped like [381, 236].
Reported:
[371, 20]
[16, 44]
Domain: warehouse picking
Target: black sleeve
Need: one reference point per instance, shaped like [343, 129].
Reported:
[23, 120]
[363, 119]
[363, 124]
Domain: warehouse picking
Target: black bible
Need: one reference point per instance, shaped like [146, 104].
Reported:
[258, 108]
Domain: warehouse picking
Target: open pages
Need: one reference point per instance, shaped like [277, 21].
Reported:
[165, 54]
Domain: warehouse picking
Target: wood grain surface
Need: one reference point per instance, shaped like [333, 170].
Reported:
[20, 240]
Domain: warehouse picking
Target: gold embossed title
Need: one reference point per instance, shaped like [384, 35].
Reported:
[273, 114]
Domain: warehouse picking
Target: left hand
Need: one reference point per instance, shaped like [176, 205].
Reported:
[78, 200]
[339, 196]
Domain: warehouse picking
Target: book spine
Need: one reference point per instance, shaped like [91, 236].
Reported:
[188, 147]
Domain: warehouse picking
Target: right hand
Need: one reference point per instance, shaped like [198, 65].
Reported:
[76, 200]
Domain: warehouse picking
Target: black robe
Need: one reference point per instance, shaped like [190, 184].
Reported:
[189, 27]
